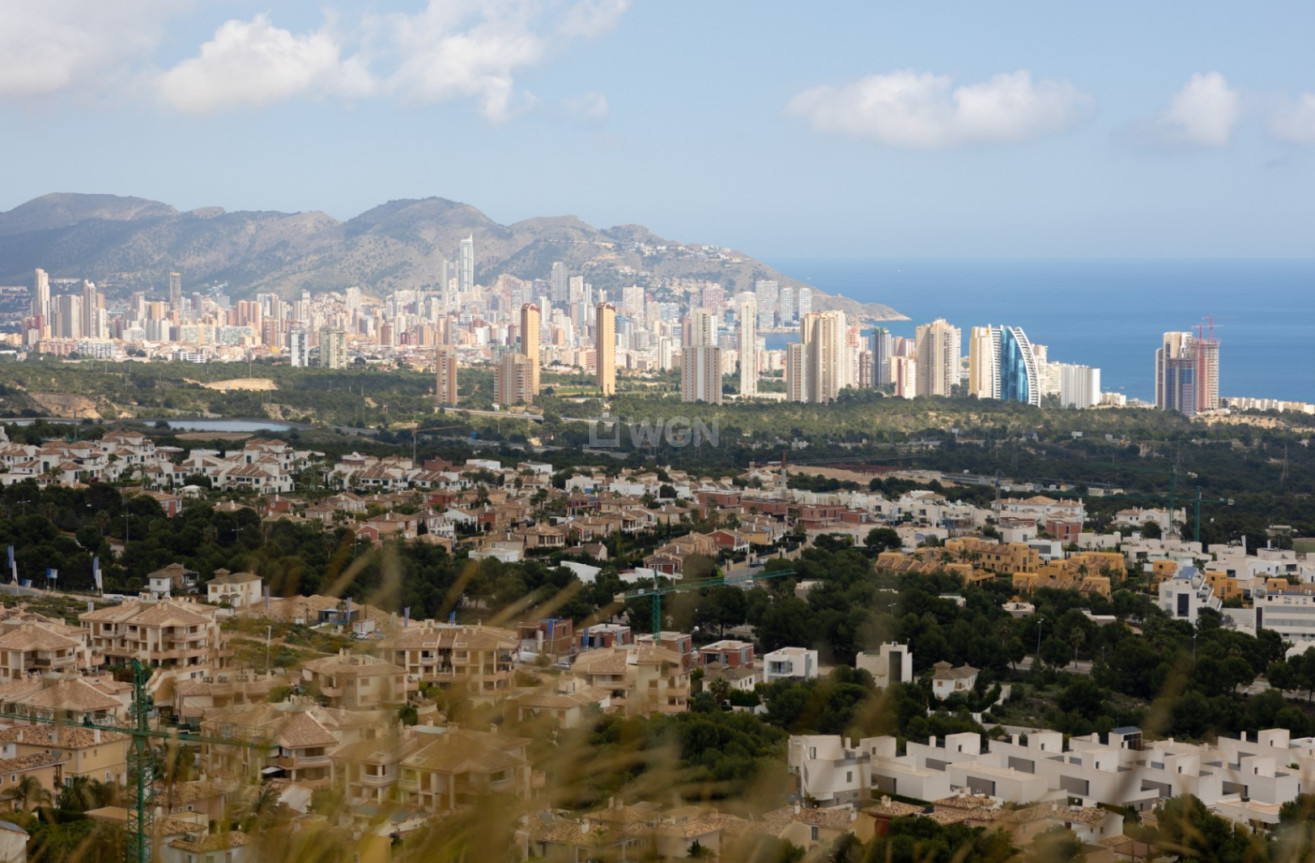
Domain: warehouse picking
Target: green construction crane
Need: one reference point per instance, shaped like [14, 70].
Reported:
[141, 770]
[141, 759]
[657, 591]
[1196, 532]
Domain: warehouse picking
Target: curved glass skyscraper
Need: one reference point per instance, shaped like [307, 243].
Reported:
[1002, 365]
[1017, 369]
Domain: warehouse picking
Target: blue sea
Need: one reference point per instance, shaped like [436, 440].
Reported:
[1107, 313]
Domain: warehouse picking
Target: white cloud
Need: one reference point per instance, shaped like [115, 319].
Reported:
[255, 63]
[1295, 123]
[591, 108]
[53, 46]
[1201, 115]
[449, 51]
[440, 61]
[920, 110]
[590, 19]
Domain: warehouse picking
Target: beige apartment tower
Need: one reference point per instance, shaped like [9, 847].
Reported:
[605, 348]
[512, 380]
[445, 376]
[748, 347]
[825, 359]
[531, 323]
[938, 354]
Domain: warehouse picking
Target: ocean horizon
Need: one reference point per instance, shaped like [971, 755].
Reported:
[1106, 313]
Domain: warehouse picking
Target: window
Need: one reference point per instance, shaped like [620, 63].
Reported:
[813, 832]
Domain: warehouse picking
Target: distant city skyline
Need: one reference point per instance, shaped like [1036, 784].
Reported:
[1116, 130]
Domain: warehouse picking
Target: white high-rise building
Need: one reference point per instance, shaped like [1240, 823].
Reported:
[297, 346]
[1079, 386]
[41, 295]
[904, 376]
[768, 296]
[748, 346]
[805, 302]
[466, 265]
[557, 283]
[176, 295]
[787, 306]
[881, 345]
[702, 328]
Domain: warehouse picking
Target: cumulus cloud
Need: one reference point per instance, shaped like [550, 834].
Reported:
[590, 108]
[450, 50]
[1295, 123]
[1202, 115]
[255, 63]
[442, 60]
[921, 110]
[55, 46]
[591, 19]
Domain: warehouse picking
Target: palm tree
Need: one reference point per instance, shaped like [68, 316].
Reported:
[29, 793]
[1077, 637]
[84, 792]
[263, 808]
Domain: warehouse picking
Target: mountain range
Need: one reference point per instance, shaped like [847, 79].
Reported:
[127, 244]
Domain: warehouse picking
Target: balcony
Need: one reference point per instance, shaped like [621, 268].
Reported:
[307, 762]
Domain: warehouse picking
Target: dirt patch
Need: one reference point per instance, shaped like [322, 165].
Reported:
[249, 384]
[832, 473]
[213, 436]
[63, 405]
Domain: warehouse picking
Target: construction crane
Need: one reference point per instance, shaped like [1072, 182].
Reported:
[141, 760]
[657, 591]
[1172, 498]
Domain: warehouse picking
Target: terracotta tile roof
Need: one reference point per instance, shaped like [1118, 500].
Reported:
[303, 730]
[211, 842]
[59, 736]
[162, 613]
[468, 751]
[831, 819]
[888, 808]
[36, 636]
[563, 831]
[964, 801]
[184, 793]
[353, 665]
[223, 577]
[35, 761]
[419, 636]
[70, 694]
[702, 825]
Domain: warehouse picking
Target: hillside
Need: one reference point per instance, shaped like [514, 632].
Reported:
[127, 244]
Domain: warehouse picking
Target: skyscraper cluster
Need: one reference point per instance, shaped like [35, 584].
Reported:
[818, 367]
[1187, 372]
[74, 315]
[781, 306]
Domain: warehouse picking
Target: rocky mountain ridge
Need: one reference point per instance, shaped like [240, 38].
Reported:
[126, 244]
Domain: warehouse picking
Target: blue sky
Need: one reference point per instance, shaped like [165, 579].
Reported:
[946, 130]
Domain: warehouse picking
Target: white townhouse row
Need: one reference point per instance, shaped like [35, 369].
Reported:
[1243, 779]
